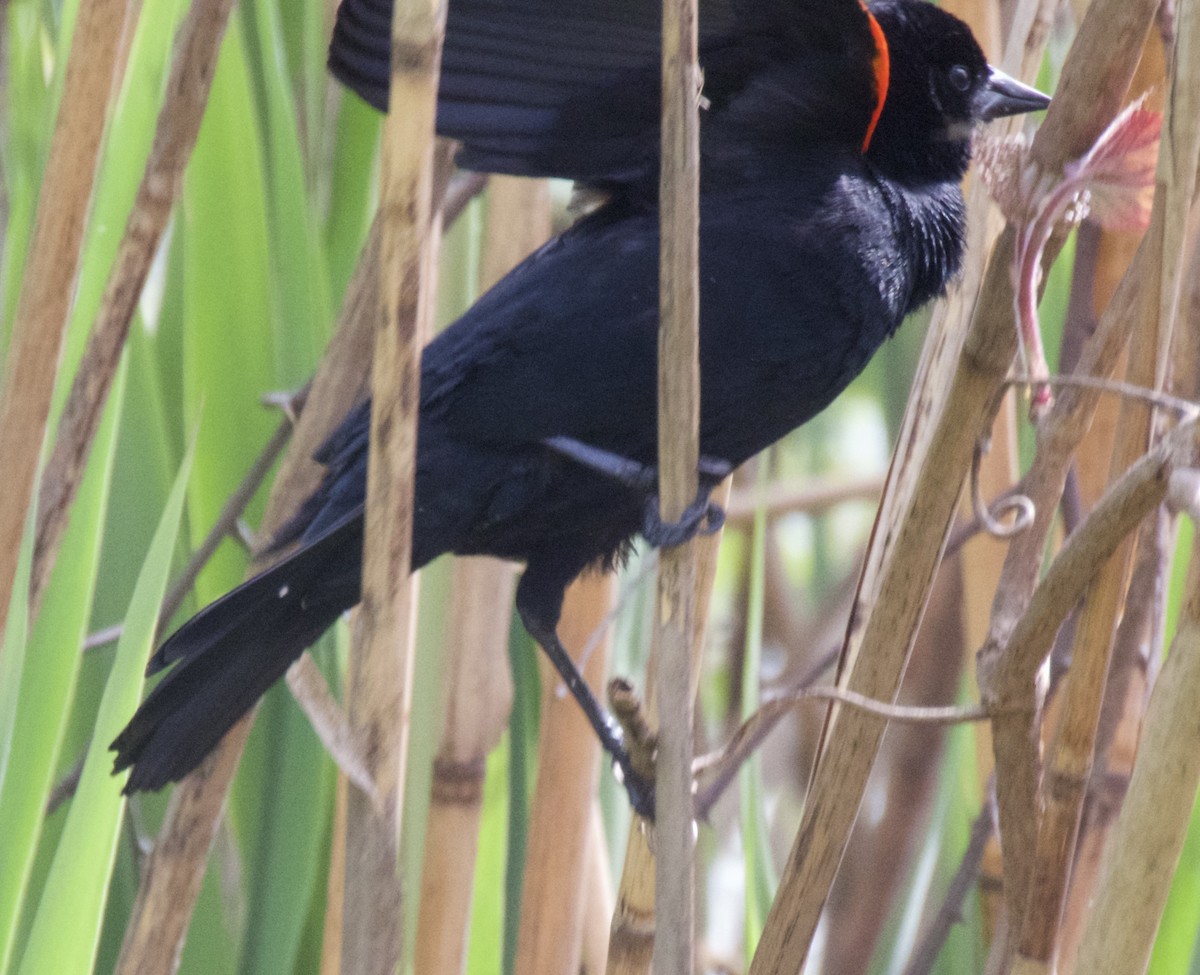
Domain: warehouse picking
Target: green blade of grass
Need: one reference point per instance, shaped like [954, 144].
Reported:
[227, 354]
[66, 929]
[48, 683]
[760, 877]
[285, 837]
[522, 766]
[485, 955]
[12, 651]
[27, 102]
[300, 291]
[351, 187]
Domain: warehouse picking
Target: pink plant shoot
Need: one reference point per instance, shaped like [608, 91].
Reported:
[1112, 183]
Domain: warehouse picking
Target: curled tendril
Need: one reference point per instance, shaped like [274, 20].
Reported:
[1019, 506]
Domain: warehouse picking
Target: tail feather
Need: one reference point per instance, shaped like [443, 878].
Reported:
[229, 654]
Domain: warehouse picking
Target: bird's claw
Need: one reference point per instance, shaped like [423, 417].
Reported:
[702, 517]
[639, 788]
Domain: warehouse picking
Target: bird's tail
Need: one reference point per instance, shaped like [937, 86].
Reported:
[230, 653]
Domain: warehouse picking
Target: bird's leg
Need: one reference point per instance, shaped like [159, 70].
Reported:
[539, 606]
[631, 473]
[702, 516]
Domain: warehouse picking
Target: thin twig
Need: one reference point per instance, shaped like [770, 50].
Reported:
[904, 713]
[1116, 387]
[1018, 505]
[724, 763]
[65, 787]
[329, 721]
[800, 497]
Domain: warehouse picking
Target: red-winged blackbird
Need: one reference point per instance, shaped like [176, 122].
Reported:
[830, 208]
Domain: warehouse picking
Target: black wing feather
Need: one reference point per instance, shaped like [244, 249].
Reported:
[571, 88]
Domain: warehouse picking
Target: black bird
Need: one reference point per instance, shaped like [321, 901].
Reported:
[830, 209]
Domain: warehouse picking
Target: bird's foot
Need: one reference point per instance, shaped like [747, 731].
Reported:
[702, 517]
[640, 788]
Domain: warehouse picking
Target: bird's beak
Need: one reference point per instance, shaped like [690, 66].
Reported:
[1006, 96]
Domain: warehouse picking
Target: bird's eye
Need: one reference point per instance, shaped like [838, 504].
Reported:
[960, 77]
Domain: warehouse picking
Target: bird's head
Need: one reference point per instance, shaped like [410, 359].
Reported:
[940, 87]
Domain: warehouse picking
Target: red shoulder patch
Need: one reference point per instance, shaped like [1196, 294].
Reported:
[882, 66]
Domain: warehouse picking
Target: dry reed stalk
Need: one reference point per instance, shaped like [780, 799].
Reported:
[477, 685]
[170, 882]
[1069, 766]
[598, 900]
[187, 90]
[1121, 720]
[983, 555]
[335, 885]
[379, 682]
[1069, 761]
[1143, 851]
[477, 695]
[982, 564]
[1007, 679]
[518, 223]
[1125, 691]
[1115, 757]
[631, 943]
[92, 79]
[554, 894]
[678, 456]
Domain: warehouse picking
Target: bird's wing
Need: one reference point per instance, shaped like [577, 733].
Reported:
[563, 345]
[510, 68]
[566, 345]
[570, 88]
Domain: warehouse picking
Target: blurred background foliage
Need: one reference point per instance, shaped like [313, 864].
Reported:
[276, 204]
